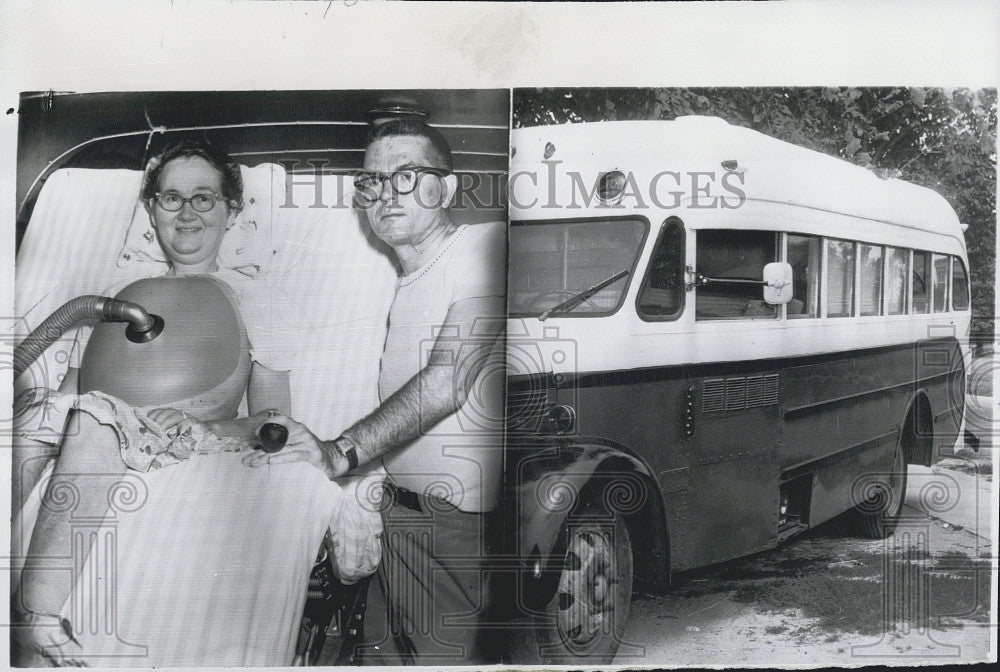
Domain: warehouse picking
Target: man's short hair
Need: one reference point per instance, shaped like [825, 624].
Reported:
[415, 127]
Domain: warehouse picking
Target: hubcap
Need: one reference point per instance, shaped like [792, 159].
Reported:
[586, 589]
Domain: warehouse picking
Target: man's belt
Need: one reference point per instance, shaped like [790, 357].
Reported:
[404, 497]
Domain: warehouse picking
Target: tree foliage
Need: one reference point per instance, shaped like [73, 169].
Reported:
[944, 139]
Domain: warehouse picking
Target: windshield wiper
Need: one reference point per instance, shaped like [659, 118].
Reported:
[580, 297]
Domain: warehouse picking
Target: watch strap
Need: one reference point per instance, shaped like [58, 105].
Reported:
[347, 449]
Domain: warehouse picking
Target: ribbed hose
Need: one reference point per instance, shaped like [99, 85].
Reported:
[69, 315]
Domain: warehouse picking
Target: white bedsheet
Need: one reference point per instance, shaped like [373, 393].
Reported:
[168, 585]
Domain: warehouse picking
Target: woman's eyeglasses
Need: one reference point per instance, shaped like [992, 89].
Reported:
[171, 201]
[369, 183]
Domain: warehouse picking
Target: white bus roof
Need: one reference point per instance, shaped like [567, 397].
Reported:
[774, 170]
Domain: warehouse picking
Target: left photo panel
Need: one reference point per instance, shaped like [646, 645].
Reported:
[259, 378]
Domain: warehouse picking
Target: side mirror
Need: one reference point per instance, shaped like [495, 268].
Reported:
[778, 283]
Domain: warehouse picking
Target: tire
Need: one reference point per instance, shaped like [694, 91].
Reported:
[585, 620]
[876, 517]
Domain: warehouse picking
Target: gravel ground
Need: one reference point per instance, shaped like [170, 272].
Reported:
[824, 599]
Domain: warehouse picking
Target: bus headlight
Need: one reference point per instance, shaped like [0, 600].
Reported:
[561, 419]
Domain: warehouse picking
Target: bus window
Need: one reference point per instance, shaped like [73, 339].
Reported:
[662, 293]
[959, 285]
[897, 261]
[554, 261]
[940, 263]
[840, 278]
[870, 259]
[804, 254]
[727, 260]
[921, 289]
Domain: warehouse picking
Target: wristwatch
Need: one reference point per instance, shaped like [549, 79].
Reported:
[346, 448]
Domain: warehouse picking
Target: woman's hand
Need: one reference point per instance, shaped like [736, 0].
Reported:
[45, 641]
[184, 435]
[301, 446]
[166, 417]
[178, 424]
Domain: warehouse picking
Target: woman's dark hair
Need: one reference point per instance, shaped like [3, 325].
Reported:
[232, 179]
[410, 126]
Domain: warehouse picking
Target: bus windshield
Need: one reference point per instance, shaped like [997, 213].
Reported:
[553, 261]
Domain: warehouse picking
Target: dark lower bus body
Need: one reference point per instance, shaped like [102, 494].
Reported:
[702, 463]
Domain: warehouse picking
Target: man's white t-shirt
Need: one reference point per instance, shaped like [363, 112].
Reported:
[458, 459]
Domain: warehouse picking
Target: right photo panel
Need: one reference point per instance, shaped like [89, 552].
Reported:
[748, 397]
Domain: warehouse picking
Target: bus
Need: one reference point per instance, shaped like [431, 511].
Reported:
[717, 340]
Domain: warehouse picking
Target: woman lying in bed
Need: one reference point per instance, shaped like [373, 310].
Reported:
[199, 560]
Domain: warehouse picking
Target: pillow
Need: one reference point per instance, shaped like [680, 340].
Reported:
[248, 246]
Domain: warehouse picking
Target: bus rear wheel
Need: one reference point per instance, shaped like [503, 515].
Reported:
[585, 619]
[876, 517]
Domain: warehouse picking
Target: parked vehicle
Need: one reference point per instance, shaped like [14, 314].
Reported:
[717, 340]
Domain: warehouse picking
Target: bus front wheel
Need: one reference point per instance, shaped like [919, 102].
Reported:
[585, 619]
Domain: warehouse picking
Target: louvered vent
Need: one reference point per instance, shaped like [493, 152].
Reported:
[770, 390]
[713, 396]
[755, 391]
[734, 394]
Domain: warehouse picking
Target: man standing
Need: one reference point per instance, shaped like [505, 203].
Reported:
[438, 429]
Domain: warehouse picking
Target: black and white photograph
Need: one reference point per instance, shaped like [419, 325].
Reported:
[741, 325]
[254, 295]
[531, 335]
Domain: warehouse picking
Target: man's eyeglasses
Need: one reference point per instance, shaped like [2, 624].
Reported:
[203, 201]
[369, 183]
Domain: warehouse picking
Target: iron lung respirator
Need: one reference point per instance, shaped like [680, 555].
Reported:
[198, 362]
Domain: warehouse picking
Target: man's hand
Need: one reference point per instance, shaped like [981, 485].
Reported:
[301, 446]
